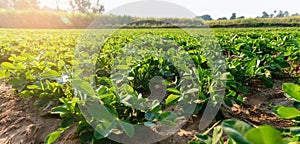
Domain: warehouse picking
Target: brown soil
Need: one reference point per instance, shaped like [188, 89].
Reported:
[259, 105]
[22, 122]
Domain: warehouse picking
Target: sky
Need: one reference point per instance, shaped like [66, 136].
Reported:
[217, 8]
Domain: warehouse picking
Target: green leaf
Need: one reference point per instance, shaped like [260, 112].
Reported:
[236, 130]
[117, 78]
[264, 135]
[43, 95]
[211, 128]
[27, 93]
[296, 104]
[41, 102]
[67, 122]
[4, 74]
[193, 90]
[231, 141]
[33, 87]
[122, 67]
[127, 128]
[106, 121]
[268, 83]
[295, 131]
[61, 110]
[18, 83]
[290, 141]
[168, 122]
[171, 98]
[168, 118]
[231, 93]
[155, 106]
[86, 136]
[217, 133]
[97, 135]
[129, 60]
[111, 110]
[49, 74]
[228, 102]
[250, 67]
[149, 116]
[239, 99]
[173, 90]
[204, 138]
[149, 124]
[292, 91]
[7, 65]
[52, 137]
[164, 115]
[286, 112]
[61, 63]
[20, 67]
[83, 87]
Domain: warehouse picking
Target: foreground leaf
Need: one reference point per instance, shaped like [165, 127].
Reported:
[286, 112]
[127, 128]
[236, 130]
[264, 135]
[52, 137]
[83, 87]
[292, 91]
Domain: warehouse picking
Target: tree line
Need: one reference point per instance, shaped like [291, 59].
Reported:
[74, 6]
[275, 14]
[95, 6]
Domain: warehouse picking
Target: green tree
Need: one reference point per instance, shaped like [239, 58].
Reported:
[280, 14]
[222, 18]
[205, 17]
[274, 14]
[233, 16]
[83, 6]
[265, 15]
[286, 14]
[97, 7]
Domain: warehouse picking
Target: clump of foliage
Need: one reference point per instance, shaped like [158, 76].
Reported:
[242, 133]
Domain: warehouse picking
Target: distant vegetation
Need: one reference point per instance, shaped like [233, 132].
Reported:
[74, 6]
[290, 21]
[63, 20]
[32, 18]
[276, 19]
[275, 14]
[43, 19]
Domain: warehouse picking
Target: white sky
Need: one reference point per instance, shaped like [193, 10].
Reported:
[222, 8]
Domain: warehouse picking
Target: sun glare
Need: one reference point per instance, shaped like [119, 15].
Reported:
[54, 4]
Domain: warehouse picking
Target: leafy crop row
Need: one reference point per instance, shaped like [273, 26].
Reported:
[51, 65]
[243, 133]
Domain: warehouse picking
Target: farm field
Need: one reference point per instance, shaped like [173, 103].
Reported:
[50, 77]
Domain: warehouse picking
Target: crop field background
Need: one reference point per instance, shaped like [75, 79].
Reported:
[62, 20]
[40, 69]
[149, 72]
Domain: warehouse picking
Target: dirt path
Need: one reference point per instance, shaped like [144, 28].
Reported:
[259, 105]
[22, 122]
